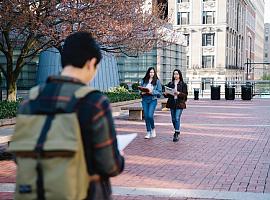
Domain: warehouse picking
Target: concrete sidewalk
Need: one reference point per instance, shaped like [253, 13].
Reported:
[223, 153]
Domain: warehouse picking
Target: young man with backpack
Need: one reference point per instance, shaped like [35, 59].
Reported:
[65, 140]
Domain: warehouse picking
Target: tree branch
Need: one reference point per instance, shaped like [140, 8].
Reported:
[3, 71]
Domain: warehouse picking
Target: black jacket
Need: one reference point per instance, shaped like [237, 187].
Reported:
[181, 98]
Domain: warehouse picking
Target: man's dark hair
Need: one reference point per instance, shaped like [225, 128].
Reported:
[78, 48]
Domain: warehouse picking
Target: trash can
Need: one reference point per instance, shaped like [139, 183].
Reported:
[215, 92]
[229, 93]
[246, 92]
[196, 94]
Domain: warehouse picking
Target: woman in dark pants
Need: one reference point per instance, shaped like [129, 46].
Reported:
[176, 102]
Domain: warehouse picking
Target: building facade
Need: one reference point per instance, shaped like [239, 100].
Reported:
[107, 75]
[48, 63]
[259, 40]
[27, 77]
[266, 67]
[250, 40]
[164, 58]
[216, 32]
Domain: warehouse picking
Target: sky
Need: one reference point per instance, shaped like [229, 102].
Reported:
[267, 12]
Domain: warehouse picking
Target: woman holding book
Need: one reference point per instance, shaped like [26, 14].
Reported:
[176, 92]
[150, 90]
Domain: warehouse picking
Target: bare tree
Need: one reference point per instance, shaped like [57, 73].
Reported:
[29, 26]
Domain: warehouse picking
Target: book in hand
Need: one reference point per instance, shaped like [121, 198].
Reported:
[169, 90]
[124, 140]
[143, 89]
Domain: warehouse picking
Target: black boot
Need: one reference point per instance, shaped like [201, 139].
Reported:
[176, 136]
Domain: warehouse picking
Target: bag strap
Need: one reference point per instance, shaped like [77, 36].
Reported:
[35, 91]
[83, 91]
[39, 150]
[78, 94]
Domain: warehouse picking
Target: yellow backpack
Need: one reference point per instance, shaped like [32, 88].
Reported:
[49, 154]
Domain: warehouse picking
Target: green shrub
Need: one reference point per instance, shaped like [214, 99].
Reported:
[120, 93]
[124, 85]
[117, 97]
[119, 89]
[8, 109]
[134, 86]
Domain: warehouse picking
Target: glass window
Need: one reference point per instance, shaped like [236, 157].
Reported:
[206, 83]
[208, 61]
[208, 17]
[208, 39]
[187, 61]
[182, 18]
[187, 38]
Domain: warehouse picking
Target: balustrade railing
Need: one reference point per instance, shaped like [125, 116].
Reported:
[260, 88]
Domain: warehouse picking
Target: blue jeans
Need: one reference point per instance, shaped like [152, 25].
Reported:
[149, 109]
[176, 115]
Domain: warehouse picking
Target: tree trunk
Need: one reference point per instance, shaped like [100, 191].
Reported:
[11, 89]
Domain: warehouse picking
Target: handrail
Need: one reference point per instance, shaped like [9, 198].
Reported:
[259, 87]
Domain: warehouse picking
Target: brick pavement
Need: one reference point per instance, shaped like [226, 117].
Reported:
[153, 198]
[224, 146]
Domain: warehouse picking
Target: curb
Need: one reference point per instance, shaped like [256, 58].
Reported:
[5, 122]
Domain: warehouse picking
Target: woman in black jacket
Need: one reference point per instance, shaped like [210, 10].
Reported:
[176, 102]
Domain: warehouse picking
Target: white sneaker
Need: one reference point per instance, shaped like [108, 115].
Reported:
[153, 133]
[148, 135]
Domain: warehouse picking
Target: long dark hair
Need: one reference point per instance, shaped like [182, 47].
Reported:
[180, 75]
[147, 76]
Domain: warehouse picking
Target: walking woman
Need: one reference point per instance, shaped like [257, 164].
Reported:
[151, 90]
[176, 100]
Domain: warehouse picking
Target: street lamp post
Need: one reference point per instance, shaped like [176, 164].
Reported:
[247, 68]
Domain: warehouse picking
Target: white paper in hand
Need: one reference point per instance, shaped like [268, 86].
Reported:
[169, 90]
[124, 140]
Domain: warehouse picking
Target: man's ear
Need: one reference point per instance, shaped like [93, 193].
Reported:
[92, 63]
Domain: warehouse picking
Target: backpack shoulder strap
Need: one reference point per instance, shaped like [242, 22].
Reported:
[79, 94]
[34, 92]
[83, 91]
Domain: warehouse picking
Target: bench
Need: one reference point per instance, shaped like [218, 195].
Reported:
[135, 112]
[163, 105]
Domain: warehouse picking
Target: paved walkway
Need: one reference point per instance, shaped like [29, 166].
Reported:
[223, 153]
